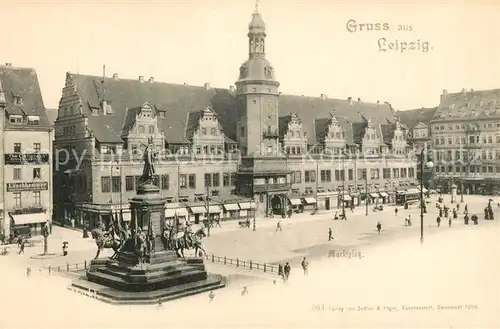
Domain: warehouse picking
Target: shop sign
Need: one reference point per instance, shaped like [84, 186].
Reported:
[27, 186]
[26, 158]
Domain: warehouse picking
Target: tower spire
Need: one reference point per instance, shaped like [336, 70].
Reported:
[256, 6]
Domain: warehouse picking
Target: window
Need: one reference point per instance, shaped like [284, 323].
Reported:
[137, 180]
[165, 182]
[386, 173]
[134, 149]
[203, 131]
[326, 175]
[296, 177]
[234, 178]
[411, 172]
[192, 180]
[16, 119]
[17, 199]
[17, 147]
[37, 173]
[212, 131]
[151, 129]
[182, 181]
[117, 184]
[105, 184]
[361, 173]
[395, 172]
[37, 198]
[403, 172]
[208, 180]
[225, 179]
[216, 179]
[310, 176]
[129, 183]
[37, 147]
[350, 174]
[141, 129]
[198, 149]
[374, 174]
[17, 175]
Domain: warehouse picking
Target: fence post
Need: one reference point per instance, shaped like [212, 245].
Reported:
[225, 261]
[237, 262]
[85, 264]
[264, 267]
[49, 269]
[67, 267]
[250, 264]
[213, 258]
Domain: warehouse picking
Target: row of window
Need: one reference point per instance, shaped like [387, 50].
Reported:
[37, 147]
[452, 127]
[37, 198]
[18, 173]
[464, 155]
[475, 139]
[339, 175]
[470, 169]
[114, 184]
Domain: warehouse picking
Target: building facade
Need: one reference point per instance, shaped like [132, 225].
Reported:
[466, 139]
[417, 123]
[223, 151]
[26, 143]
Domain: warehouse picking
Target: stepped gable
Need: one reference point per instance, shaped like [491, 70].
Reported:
[468, 104]
[183, 105]
[410, 118]
[23, 82]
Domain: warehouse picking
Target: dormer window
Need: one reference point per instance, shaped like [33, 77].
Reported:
[18, 100]
[33, 119]
[162, 114]
[16, 119]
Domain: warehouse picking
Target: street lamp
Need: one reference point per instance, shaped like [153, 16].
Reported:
[117, 169]
[428, 165]
[254, 205]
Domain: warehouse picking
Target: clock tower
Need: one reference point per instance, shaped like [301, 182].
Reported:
[263, 174]
[257, 95]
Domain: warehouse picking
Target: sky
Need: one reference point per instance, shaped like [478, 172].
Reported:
[309, 43]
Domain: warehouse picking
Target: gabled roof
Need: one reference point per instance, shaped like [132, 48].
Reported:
[388, 132]
[23, 82]
[468, 104]
[420, 125]
[184, 103]
[411, 117]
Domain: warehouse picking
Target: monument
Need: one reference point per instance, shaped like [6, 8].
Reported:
[147, 266]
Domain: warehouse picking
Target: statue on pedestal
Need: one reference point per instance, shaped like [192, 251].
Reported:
[148, 158]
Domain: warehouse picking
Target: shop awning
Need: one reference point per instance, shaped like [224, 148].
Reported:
[384, 195]
[246, 205]
[347, 197]
[169, 213]
[214, 209]
[198, 210]
[181, 212]
[375, 195]
[26, 219]
[127, 217]
[231, 207]
[413, 190]
[310, 200]
[295, 202]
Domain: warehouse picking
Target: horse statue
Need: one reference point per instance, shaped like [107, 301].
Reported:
[105, 240]
[186, 239]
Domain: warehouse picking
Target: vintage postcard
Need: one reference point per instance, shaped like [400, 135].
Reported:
[250, 164]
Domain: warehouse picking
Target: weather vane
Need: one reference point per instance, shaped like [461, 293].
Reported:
[256, 6]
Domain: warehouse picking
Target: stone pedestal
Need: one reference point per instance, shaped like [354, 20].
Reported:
[160, 275]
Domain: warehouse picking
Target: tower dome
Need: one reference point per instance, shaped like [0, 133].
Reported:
[257, 24]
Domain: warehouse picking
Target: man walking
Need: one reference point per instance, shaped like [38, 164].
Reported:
[21, 246]
[379, 227]
[305, 264]
[396, 211]
[278, 226]
[330, 234]
[287, 269]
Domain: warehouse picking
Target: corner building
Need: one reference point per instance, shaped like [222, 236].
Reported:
[466, 139]
[26, 145]
[244, 148]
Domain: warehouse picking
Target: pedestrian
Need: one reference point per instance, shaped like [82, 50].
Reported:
[245, 291]
[336, 216]
[466, 219]
[466, 208]
[458, 206]
[449, 221]
[305, 264]
[159, 305]
[278, 226]
[330, 234]
[280, 271]
[379, 227]
[438, 220]
[409, 220]
[28, 272]
[396, 211]
[287, 269]
[406, 221]
[65, 248]
[21, 246]
[211, 296]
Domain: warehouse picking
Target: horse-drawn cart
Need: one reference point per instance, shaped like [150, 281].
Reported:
[244, 223]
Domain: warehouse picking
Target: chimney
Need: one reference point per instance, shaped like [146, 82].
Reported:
[445, 93]
[115, 76]
[2, 95]
[464, 91]
[141, 78]
[378, 102]
[207, 86]
[231, 89]
[349, 99]
[324, 96]
[359, 99]
[8, 64]
[151, 80]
